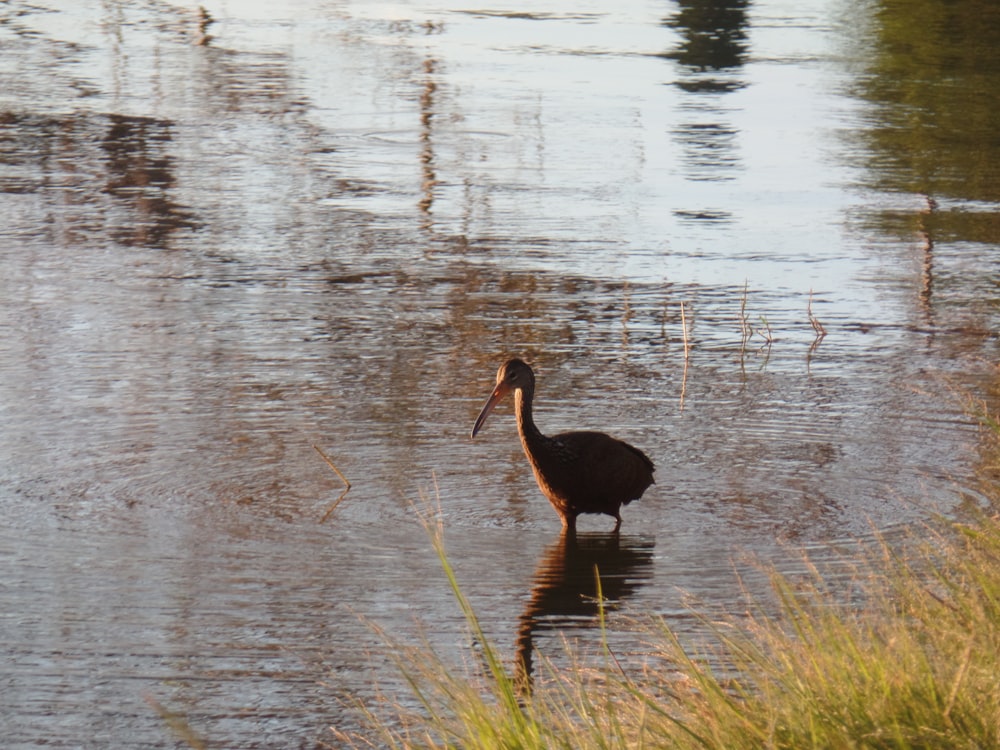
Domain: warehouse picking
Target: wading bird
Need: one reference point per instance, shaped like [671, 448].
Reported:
[579, 472]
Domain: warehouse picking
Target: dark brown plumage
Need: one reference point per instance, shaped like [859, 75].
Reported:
[579, 472]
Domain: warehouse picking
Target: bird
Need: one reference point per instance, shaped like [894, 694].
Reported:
[579, 472]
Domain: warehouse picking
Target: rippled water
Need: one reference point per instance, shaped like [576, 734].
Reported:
[234, 231]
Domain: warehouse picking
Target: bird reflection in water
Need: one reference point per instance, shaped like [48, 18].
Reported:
[564, 591]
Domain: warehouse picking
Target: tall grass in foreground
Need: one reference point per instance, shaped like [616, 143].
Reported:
[914, 662]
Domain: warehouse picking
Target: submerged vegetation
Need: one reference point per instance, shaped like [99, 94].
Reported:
[907, 656]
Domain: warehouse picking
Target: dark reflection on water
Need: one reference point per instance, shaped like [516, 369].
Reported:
[714, 39]
[710, 57]
[564, 590]
[932, 81]
[140, 177]
[932, 84]
[233, 232]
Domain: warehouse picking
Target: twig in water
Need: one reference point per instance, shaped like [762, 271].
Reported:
[347, 484]
[746, 330]
[626, 315]
[684, 382]
[766, 332]
[684, 333]
[687, 354]
[813, 320]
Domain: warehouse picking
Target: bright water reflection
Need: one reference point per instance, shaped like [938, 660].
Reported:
[234, 231]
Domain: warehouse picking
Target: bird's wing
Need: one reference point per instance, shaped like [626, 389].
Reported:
[605, 462]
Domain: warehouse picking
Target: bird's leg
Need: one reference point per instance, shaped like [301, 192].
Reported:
[618, 522]
[568, 522]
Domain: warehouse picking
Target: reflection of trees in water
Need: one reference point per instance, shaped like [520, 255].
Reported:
[139, 179]
[710, 57]
[115, 171]
[564, 590]
[932, 77]
[714, 33]
[140, 174]
[709, 148]
[930, 135]
[427, 167]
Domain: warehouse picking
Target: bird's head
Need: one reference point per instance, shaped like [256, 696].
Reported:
[513, 375]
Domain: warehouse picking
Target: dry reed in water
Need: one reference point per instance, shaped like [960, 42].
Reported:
[813, 320]
[687, 354]
[746, 330]
[339, 473]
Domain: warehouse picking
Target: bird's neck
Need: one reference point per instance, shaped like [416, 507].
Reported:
[531, 436]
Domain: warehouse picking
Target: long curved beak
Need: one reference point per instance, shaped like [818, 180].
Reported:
[495, 398]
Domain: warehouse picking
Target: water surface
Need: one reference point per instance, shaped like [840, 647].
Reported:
[234, 231]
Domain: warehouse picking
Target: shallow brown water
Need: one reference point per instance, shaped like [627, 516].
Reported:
[229, 237]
